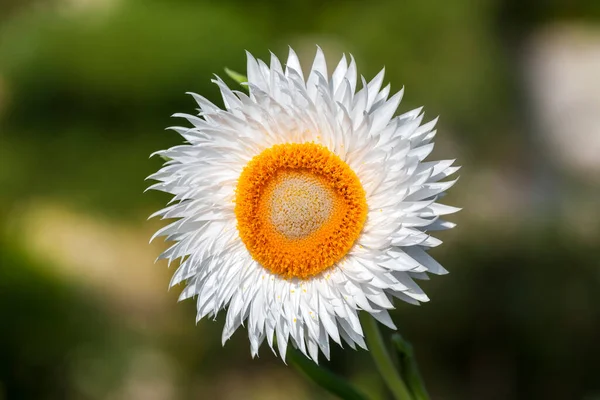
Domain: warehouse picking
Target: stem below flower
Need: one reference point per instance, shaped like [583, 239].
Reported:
[324, 378]
[409, 369]
[382, 358]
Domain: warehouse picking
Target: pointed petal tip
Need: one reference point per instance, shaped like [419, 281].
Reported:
[292, 52]
[424, 298]
[150, 242]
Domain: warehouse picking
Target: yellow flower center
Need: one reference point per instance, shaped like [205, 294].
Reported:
[299, 209]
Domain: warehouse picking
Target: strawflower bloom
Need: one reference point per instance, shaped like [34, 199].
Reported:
[302, 203]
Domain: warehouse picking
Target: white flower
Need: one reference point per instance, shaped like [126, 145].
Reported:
[302, 203]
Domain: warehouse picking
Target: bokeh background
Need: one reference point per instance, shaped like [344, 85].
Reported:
[87, 88]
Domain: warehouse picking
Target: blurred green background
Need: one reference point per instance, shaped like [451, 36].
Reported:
[87, 87]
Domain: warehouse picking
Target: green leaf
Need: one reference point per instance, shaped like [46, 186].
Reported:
[236, 76]
[324, 378]
[409, 369]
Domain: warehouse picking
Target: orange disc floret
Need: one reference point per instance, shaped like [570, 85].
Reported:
[299, 209]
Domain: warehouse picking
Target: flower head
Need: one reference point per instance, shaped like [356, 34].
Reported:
[302, 203]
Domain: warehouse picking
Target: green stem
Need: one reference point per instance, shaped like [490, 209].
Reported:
[382, 358]
[409, 368]
[324, 378]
